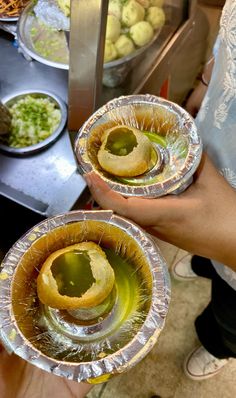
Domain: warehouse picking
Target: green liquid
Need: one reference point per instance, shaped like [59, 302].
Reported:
[179, 152]
[121, 142]
[154, 137]
[130, 302]
[129, 292]
[49, 43]
[73, 274]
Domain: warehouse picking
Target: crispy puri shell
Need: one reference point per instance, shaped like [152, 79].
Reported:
[131, 165]
[102, 272]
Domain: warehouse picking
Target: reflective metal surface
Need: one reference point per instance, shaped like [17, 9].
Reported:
[9, 19]
[87, 36]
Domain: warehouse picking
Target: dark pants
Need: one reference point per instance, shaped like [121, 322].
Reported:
[216, 326]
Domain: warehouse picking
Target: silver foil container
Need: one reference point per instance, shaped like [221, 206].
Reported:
[20, 329]
[179, 159]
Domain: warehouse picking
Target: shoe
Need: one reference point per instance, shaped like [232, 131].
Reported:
[182, 270]
[200, 364]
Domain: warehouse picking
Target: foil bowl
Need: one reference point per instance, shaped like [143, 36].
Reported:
[27, 330]
[178, 158]
[11, 99]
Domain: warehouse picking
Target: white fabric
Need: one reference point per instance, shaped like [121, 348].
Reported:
[182, 269]
[216, 119]
[201, 364]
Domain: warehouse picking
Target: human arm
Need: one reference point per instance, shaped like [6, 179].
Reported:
[194, 101]
[20, 379]
[201, 220]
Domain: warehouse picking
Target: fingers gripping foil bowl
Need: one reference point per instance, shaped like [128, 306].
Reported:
[176, 146]
[84, 344]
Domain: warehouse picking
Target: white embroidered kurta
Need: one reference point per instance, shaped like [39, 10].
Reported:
[216, 119]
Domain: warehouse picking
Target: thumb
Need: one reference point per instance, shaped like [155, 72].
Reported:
[146, 212]
[104, 195]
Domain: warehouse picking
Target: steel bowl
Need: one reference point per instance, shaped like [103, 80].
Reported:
[28, 331]
[146, 112]
[114, 72]
[29, 150]
[9, 19]
[28, 21]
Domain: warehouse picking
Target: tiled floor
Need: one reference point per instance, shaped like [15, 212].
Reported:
[161, 373]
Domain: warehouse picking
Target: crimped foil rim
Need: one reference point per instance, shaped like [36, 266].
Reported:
[117, 362]
[179, 179]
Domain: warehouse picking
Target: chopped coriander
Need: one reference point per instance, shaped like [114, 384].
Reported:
[33, 120]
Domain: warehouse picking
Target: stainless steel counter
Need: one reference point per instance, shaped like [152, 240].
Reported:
[47, 182]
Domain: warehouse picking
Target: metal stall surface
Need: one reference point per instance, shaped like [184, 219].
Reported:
[48, 182]
[87, 37]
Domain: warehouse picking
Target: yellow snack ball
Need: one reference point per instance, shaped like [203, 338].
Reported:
[125, 151]
[156, 3]
[110, 52]
[156, 17]
[64, 6]
[144, 3]
[141, 33]
[115, 8]
[132, 13]
[124, 46]
[113, 28]
[78, 276]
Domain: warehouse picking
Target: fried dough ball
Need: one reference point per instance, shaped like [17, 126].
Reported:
[156, 17]
[124, 46]
[77, 276]
[141, 33]
[156, 3]
[132, 13]
[110, 52]
[125, 151]
[115, 8]
[113, 28]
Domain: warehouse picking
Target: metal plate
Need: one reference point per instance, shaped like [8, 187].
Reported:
[14, 18]
[11, 99]
[9, 19]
